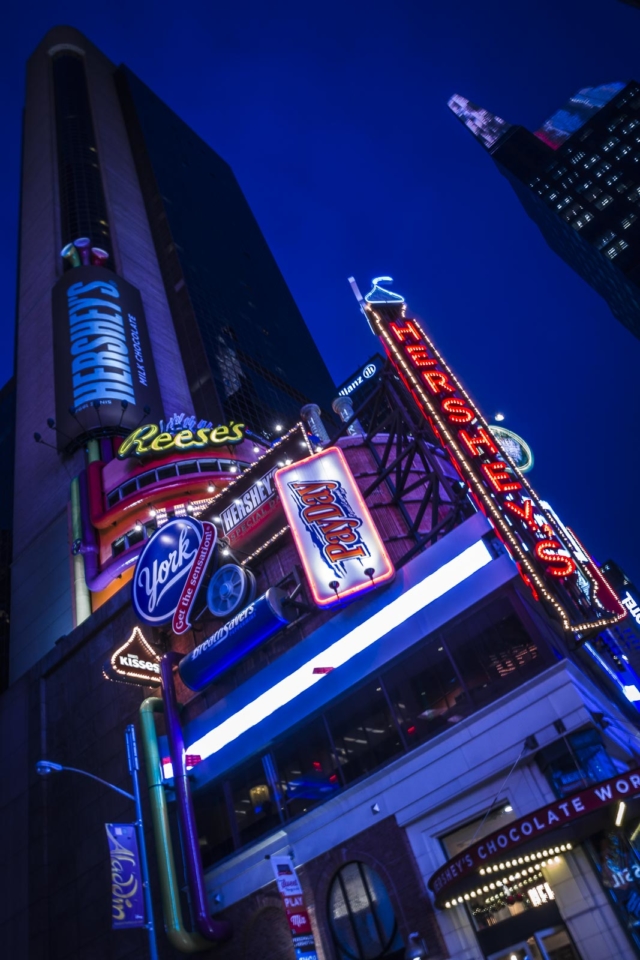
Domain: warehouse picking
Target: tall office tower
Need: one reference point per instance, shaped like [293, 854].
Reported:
[578, 178]
[166, 300]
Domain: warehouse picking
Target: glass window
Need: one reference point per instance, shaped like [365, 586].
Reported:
[191, 466]
[575, 762]
[361, 916]
[165, 473]
[363, 732]
[119, 546]
[214, 829]
[254, 807]
[135, 535]
[616, 856]
[493, 652]
[307, 768]
[128, 488]
[209, 466]
[604, 201]
[113, 498]
[147, 479]
[426, 693]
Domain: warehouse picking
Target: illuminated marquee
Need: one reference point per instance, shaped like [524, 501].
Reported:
[151, 441]
[573, 586]
[338, 543]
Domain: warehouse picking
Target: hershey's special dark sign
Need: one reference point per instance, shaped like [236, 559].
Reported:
[102, 354]
[249, 508]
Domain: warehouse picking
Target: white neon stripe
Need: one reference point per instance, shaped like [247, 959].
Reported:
[395, 613]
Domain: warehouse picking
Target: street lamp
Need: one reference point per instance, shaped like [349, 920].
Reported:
[416, 949]
[46, 767]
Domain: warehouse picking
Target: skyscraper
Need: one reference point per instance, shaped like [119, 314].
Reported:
[578, 178]
[200, 320]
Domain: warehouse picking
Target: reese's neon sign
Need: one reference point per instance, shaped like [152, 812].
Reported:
[151, 441]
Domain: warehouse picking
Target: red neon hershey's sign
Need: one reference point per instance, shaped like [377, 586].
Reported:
[576, 590]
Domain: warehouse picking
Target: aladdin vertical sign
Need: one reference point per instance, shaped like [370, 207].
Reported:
[104, 372]
[572, 586]
[127, 899]
[338, 543]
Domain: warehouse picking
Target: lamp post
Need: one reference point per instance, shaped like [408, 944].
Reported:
[417, 948]
[46, 767]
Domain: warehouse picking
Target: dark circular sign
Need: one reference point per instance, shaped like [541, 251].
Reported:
[162, 569]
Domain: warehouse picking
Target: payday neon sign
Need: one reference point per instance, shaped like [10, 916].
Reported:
[338, 543]
[572, 586]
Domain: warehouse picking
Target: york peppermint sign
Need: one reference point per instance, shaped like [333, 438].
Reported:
[104, 370]
[170, 570]
[338, 543]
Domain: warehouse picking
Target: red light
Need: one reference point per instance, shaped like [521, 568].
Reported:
[409, 330]
[456, 410]
[543, 551]
[411, 729]
[419, 356]
[498, 477]
[317, 765]
[525, 512]
[481, 439]
[437, 382]
[333, 778]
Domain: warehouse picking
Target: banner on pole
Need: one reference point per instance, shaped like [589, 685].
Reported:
[297, 914]
[127, 895]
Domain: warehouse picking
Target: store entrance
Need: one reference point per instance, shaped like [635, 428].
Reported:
[551, 944]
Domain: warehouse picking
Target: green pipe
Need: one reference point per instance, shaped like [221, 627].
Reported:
[93, 451]
[179, 937]
[81, 598]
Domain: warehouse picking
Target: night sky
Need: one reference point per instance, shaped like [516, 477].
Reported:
[334, 118]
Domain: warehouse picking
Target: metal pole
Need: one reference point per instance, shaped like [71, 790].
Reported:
[134, 766]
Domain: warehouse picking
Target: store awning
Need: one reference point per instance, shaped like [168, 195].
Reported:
[537, 837]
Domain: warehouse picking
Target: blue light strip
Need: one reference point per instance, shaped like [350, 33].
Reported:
[395, 613]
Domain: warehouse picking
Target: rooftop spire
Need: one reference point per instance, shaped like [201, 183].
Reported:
[485, 126]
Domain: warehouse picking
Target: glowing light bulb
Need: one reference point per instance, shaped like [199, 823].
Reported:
[278, 428]
[499, 417]
[211, 488]
[153, 513]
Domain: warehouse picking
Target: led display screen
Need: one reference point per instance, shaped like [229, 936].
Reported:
[575, 113]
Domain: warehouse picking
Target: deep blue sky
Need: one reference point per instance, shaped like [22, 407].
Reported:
[334, 119]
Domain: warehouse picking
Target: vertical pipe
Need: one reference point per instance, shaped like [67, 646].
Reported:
[82, 600]
[209, 928]
[179, 937]
[93, 450]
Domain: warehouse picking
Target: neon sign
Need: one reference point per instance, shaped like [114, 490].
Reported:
[170, 570]
[134, 662]
[553, 571]
[150, 441]
[339, 546]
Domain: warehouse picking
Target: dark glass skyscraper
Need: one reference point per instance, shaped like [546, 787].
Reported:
[111, 174]
[246, 349]
[578, 178]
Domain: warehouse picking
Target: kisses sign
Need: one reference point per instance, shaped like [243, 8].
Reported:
[337, 540]
[170, 570]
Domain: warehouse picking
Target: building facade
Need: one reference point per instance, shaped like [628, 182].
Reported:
[415, 742]
[216, 335]
[577, 178]
[381, 704]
